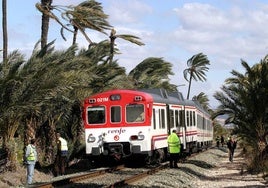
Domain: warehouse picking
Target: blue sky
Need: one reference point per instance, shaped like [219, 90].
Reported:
[175, 30]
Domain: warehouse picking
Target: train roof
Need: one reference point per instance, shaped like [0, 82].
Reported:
[162, 96]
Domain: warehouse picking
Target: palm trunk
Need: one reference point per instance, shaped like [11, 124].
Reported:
[189, 87]
[45, 22]
[75, 35]
[4, 26]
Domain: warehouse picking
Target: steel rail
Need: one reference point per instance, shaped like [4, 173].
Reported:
[139, 176]
[77, 178]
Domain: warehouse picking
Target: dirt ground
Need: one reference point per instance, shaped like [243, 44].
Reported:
[233, 174]
[225, 174]
[18, 178]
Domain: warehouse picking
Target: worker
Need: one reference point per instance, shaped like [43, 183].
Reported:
[62, 153]
[174, 146]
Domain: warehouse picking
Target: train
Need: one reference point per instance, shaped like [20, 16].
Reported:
[124, 123]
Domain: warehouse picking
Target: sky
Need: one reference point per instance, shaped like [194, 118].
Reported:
[227, 31]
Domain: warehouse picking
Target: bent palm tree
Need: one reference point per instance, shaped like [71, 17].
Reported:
[202, 98]
[130, 38]
[152, 73]
[197, 67]
[88, 14]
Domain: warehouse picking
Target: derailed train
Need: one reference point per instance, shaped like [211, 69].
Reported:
[125, 123]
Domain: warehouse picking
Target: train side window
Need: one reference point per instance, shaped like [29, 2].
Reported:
[171, 112]
[154, 119]
[96, 115]
[115, 114]
[199, 121]
[187, 118]
[191, 118]
[135, 113]
[163, 119]
[177, 118]
[182, 118]
[194, 119]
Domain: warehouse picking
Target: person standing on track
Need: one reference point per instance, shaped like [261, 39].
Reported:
[174, 146]
[62, 153]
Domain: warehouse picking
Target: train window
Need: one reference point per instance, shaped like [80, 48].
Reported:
[191, 118]
[194, 119]
[135, 113]
[177, 118]
[96, 115]
[182, 117]
[115, 114]
[199, 121]
[163, 119]
[187, 118]
[171, 112]
[154, 119]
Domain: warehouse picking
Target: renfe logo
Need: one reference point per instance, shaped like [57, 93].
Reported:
[116, 131]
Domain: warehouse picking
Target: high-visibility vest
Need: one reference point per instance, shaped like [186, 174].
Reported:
[31, 156]
[174, 144]
[63, 145]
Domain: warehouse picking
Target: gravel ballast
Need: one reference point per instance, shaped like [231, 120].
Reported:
[209, 169]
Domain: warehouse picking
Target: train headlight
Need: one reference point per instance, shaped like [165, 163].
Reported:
[115, 97]
[91, 138]
[139, 136]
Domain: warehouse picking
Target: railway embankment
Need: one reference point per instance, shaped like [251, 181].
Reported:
[210, 168]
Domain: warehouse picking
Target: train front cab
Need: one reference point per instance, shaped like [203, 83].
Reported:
[124, 126]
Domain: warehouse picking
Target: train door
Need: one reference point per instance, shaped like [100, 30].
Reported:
[159, 126]
[183, 128]
[175, 122]
[159, 133]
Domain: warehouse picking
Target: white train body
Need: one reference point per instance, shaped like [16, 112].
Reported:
[122, 123]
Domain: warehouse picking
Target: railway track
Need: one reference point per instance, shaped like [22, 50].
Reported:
[77, 178]
[138, 176]
[89, 178]
[118, 176]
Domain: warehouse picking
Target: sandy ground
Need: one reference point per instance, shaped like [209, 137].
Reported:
[232, 174]
[226, 174]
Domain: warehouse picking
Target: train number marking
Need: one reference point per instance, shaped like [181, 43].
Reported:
[103, 99]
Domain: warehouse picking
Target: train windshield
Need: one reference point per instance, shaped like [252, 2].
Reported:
[115, 114]
[96, 115]
[135, 113]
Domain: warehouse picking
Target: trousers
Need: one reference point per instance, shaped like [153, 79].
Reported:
[30, 173]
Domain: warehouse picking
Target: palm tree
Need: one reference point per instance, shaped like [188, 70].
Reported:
[9, 106]
[88, 14]
[197, 66]
[152, 73]
[202, 98]
[244, 100]
[130, 38]
[4, 26]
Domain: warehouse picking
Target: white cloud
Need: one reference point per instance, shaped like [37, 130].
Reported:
[226, 31]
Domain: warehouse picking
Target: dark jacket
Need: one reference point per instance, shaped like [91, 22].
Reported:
[231, 144]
